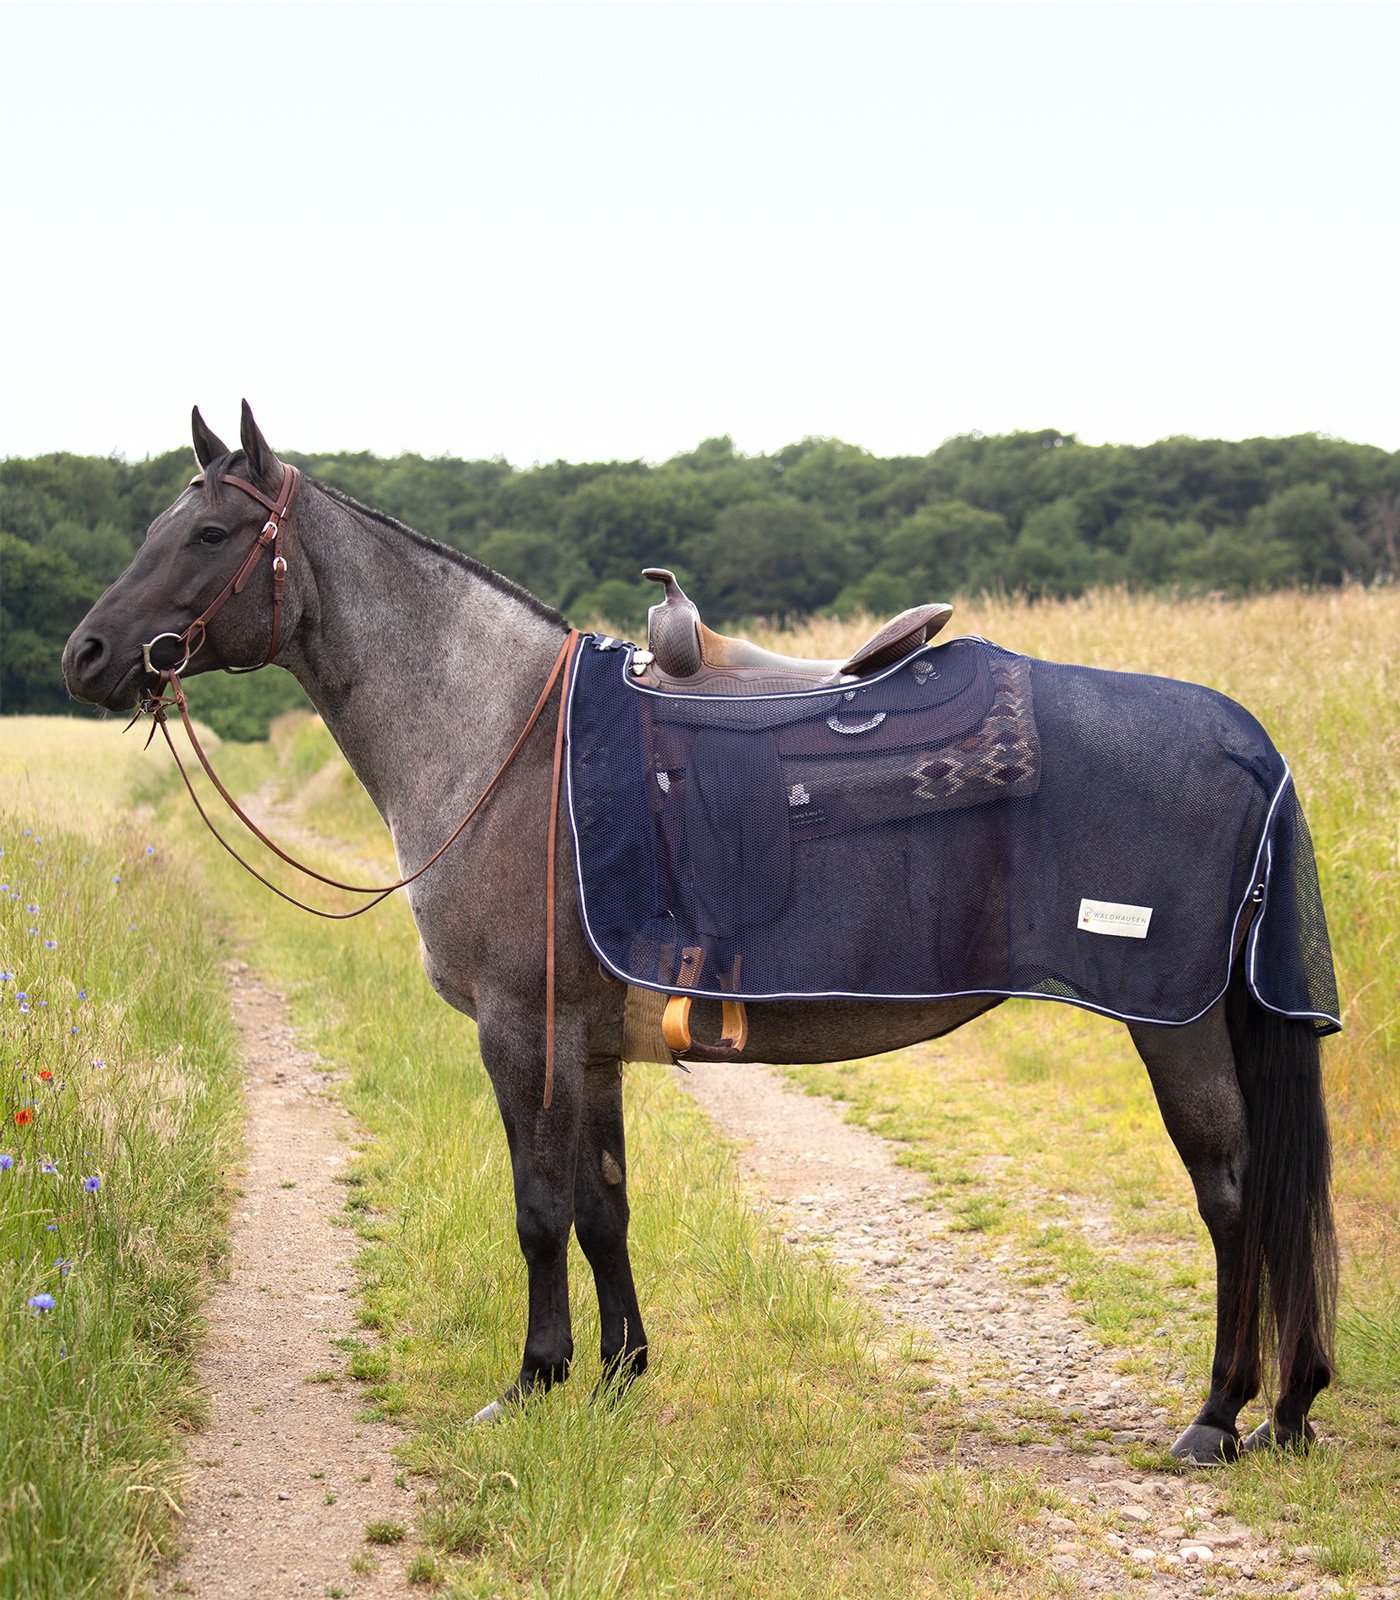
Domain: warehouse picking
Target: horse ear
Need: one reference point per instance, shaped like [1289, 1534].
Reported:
[262, 463]
[208, 446]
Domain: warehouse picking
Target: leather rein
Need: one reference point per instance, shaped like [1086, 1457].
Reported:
[155, 705]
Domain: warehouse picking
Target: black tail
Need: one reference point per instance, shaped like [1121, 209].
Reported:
[1290, 1242]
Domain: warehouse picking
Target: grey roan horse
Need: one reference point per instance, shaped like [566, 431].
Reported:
[424, 665]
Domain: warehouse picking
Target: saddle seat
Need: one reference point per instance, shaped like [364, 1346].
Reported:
[684, 656]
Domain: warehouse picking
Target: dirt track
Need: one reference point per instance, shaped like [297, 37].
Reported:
[1010, 1350]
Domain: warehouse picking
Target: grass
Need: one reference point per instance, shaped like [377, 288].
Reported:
[766, 1453]
[121, 1121]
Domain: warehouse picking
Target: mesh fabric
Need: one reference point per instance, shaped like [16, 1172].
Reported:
[937, 830]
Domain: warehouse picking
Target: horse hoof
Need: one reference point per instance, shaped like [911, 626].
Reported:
[495, 1412]
[1263, 1438]
[1206, 1446]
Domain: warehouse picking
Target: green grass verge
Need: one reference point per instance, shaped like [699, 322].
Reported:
[121, 1119]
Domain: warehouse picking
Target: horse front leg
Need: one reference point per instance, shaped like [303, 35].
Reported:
[601, 1215]
[543, 1145]
[1194, 1077]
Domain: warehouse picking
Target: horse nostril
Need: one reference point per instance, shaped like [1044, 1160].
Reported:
[90, 656]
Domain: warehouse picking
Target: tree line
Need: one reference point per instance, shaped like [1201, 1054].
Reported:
[818, 525]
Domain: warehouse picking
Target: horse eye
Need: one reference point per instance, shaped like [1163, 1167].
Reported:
[212, 535]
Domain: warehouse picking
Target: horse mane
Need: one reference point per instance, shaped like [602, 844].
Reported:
[478, 569]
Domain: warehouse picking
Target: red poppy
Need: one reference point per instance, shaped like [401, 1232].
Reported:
[45, 1074]
[21, 1117]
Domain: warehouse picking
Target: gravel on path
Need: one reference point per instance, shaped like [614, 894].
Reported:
[1013, 1353]
[289, 1471]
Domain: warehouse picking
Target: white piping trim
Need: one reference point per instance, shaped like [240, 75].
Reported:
[953, 994]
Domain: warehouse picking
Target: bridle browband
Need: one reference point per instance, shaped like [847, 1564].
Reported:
[154, 705]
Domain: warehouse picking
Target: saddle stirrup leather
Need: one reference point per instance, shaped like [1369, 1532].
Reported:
[675, 1020]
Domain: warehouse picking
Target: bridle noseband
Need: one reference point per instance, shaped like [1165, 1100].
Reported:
[279, 511]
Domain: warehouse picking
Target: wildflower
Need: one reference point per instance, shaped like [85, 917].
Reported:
[21, 994]
[6, 1162]
[75, 1027]
[24, 1008]
[27, 832]
[82, 994]
[92, 1184]
[116, 880]
[23, 1117]
[5, 976]
[100, 1064]
[150, 849]
[41, 1302]
[48, 1166]
[45, 1074]
[33, 930]
[50, 944]
[133, 927]
[64, 1265]
[32, 910]
[50, 1227]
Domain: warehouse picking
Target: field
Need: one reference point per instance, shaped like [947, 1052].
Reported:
[768, 1452]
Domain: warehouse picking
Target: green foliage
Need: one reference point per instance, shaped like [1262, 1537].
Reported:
[44, 597]
[817, 525]
[770, 558]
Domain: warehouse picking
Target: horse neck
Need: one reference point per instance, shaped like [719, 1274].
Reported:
[423, 669]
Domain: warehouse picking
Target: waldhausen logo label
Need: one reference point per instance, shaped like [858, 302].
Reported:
[1108, 916]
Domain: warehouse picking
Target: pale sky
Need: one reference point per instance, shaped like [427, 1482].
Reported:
[611, 231]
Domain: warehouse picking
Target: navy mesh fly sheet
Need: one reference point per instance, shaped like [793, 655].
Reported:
[970, 821]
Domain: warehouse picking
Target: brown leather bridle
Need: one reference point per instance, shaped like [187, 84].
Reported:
[279, 511]
[155, 706]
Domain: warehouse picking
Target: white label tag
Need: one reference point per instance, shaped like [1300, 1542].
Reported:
[1107, 916]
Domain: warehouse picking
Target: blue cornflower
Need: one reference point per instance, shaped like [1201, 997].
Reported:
[50, 944]
[133, 927]
[24, 1008]
[48, 1166]
[82, 994]
[27, 832]
[32, 910]
[92, 1184]
[116, 880]
[33, 930]
[150, 849]
[6, 1162]
[21, 994]
[50, 1227]
[75, 1027]
[64, 1265]
[99, 1064]
[41, 1302]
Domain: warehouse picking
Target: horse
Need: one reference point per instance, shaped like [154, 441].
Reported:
[424, 665]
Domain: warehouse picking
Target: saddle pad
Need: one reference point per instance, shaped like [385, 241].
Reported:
[969, 821]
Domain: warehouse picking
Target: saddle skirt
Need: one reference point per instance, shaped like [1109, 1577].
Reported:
[968, 821]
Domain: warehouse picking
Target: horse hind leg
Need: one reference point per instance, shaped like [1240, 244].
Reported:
[1194, 1077]
[601, 1216]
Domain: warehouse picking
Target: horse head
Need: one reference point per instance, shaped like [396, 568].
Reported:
[192, 551]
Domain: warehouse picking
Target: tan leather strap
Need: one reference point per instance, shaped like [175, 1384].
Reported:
[566, 660]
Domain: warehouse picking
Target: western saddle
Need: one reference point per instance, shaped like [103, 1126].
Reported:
[683, 656]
